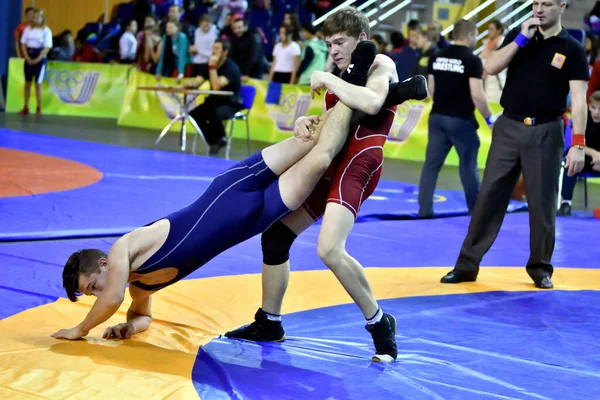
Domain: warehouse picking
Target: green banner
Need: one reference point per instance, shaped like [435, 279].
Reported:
[78, 89]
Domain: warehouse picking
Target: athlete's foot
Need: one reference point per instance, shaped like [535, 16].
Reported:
[24, 111]
[361, 61]
[261, 330]
[384, 338]
[414, 88]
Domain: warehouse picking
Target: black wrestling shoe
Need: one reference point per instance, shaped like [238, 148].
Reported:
[362, 59]
[543, 283]
[564, 210]
[261, 330]
[456, 276]
[384, 338]
[414, 88]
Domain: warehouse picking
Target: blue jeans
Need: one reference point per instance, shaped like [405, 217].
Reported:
[445, 132]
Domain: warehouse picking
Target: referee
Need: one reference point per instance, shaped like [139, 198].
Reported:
[544, 62]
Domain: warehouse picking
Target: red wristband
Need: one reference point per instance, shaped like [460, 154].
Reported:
[212, 67]
[578, 139]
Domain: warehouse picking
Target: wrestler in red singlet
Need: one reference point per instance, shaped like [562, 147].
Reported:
[353, 175]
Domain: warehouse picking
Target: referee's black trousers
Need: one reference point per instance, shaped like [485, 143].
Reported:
[537, 152]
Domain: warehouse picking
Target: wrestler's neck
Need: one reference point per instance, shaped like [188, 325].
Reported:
[460, 43]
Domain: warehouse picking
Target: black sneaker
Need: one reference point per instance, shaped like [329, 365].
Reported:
[362, 59]
[261, 330]
[564, 210]
[384, 338]
[414, 88]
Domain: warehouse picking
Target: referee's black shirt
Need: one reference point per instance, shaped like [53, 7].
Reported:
[537, 81]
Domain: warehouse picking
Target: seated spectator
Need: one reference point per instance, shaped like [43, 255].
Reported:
[204, 38]
[150, 29]
[291, 20]
[398, 42]
[428, 49]
[314, 54]
[84, 51]
[65, 47]
[151, 55]
[128, 43]
[174, 53]
[493, 85]
[436, 33]
[223, 74]
[286, 58]
[174, 15]
[20, 28]
[592, 154]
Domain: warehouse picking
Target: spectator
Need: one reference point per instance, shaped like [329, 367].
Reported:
[591, 48]
[36, 42]
[204, 38]
[286, 58]
[150, 25]
[493, 85]
[243, 49]
[128, 43]
[407, 59]
[151, 55]
[223, 74]
[174, 15]
[174, 51]
[436, 33]
[398, 42]
[380, 43]
[21, 27]
[65, 47]
[428, 49]
[314, 54]
[592, 154]
[290, 19]
[84, 51]
[226, 30]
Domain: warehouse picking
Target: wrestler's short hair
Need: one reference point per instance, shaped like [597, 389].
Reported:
[81, 262]
[347, 20]
[462, 28]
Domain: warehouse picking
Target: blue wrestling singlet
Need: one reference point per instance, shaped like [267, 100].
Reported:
[239, 203]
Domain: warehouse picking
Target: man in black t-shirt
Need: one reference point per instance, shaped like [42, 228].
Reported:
[223, 74]
[592, 154]
[544, 63]
[456, 87]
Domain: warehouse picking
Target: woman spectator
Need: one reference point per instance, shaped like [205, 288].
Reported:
[36, 42]
[174, 52]
[591, 48]
[286, 58]
[65, 47]
[291, 20]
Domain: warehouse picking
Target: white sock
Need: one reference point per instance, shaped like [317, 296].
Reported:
[376, 318]
[273, 317]
[566, 202]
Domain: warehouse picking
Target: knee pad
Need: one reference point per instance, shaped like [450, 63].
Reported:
[276, 243]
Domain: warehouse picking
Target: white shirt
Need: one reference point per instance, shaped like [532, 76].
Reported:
[284, 57]
[37, 38]
[127, 46]
[204, 43]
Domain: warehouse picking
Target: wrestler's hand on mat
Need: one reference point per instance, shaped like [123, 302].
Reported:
[70, 334]
[304, 127]
[120, 331]
[575, 161]
[318, 81]
[529, 27]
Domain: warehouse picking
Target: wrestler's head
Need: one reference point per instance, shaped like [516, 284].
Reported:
[594, 106]
[343, 30]
[85, 272]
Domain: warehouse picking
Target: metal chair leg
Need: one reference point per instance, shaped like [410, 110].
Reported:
[166, 129]
[228, 148]
[585, 193]
[198, 133]
[248, 134]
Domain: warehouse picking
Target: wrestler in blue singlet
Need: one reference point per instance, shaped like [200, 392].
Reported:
[239, 203]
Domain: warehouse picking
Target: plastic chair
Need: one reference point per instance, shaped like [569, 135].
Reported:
[248, 93]
[581, 176]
